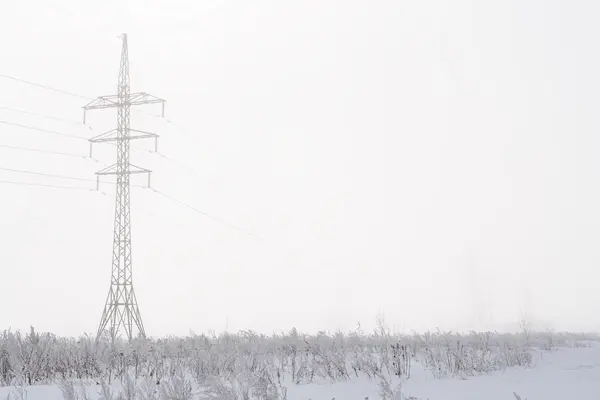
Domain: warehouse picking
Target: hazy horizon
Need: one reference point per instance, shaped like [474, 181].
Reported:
[434, 162]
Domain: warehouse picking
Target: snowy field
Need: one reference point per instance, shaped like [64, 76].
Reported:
[440, 366]
[563, 374]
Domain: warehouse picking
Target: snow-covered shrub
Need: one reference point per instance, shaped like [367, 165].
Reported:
[249, 365]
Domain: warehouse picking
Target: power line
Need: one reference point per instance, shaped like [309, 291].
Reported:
[29, 172]
[16, 110]
[76, 178]
[44, 86]
[198, 211]
[178, 163]
[179, 129]
[59, 153]
[46, 185]
[68, 93]
[62, 91]
[43, 130]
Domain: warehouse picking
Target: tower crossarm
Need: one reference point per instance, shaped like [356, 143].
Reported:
[134, 99]
[133, 169]
[114, 170]
[113, 136]
[116, 101]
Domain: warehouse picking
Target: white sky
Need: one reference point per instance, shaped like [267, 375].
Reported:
[434, 161]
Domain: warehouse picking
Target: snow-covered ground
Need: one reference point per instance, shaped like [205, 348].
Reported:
[566, 373]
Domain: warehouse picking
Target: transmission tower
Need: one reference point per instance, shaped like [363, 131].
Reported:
[121, 310]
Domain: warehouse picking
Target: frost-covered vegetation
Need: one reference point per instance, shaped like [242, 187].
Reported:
[248, 365]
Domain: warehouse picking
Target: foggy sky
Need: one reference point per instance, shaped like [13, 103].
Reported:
[431, 161]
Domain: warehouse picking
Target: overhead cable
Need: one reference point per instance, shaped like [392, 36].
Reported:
[46, 185]
[59, 153]
[43, 130]
[198, 211]
[44, 86]
[16, 110]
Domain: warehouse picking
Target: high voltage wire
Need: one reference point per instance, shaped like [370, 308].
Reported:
[16, 110]
[44, 86]
[198, 211]
[65, 92]
[164, 156]
[54, 132]
[59, 153]
[182, 165]
[43, 130]
[58, 176]
[46, 185]
[68, 93]
[178, 163]
[28, 172]
[179, 129]
[133, 148]
[167, 196]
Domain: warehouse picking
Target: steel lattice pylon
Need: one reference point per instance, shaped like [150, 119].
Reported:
[121, 310]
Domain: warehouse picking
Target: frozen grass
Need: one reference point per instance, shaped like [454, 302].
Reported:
[247, 366]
